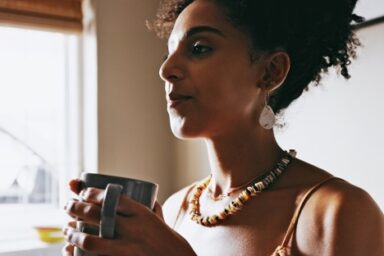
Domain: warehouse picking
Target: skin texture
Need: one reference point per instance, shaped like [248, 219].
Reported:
[215, 92]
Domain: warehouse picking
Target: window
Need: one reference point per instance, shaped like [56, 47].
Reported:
[40, 138]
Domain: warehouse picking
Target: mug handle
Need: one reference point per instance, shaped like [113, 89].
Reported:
[109, 209]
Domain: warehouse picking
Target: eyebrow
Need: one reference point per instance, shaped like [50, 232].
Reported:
[201, 29]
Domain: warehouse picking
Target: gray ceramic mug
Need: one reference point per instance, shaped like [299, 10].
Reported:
[139, 190]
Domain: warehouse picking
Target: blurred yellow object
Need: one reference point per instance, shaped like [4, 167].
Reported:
[50, 234]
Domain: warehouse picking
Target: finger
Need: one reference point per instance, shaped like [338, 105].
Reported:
[71, 224]
[101, 246]
[88, 212]
[88, 242]
[127, 206]
[126, 225]
[158, 210]
[75, 185]
[67, 250]
[92, 195]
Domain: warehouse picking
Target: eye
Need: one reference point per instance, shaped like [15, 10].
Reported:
[199, 49]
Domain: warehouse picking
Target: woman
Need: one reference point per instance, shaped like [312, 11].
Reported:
[231, 66]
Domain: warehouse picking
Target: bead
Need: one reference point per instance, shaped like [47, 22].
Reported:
[222, 215]
[239, 202]
[277, 172]
[227, 209]
[260, 186]
[241, 199]
[215, 218]
[292, 153]
[195, 201]
[236, 204]
[252, 190]
[285, 161]
[245, 195]
[230, 209]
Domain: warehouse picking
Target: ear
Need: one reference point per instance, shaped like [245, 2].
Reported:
[276, 68]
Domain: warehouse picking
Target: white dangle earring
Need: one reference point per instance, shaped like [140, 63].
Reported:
[267, 117]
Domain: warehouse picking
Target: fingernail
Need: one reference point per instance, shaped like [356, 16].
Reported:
[83, 195]
[70, 237]
[68, 206]
[68, 233]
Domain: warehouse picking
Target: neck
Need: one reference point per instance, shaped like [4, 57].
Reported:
[236, 160]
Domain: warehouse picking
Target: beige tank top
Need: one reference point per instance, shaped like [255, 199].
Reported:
[284, 249]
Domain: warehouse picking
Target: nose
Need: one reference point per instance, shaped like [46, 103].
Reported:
[171, 70]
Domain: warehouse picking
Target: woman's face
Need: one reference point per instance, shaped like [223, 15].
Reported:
[211, 84]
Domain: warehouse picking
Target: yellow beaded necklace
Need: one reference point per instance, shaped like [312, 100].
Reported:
[236, 204]
[232, 190]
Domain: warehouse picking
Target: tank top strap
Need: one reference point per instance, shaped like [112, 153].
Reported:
[296, 215]
[184, 204]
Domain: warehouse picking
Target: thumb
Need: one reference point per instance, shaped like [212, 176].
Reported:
[158, 210]
[75, 185]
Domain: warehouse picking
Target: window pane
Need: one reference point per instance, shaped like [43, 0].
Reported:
[32, 110]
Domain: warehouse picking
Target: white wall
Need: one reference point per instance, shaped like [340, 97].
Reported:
[338, 126]
[133, 132]
[370, 9]
[191, 162]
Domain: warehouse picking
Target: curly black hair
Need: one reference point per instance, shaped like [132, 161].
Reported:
[316, 34]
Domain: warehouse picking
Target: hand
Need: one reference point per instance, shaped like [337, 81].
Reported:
[139, 231]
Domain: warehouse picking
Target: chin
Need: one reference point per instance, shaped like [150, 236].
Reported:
[184, 132]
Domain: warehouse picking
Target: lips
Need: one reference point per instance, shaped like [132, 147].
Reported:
[174, 99]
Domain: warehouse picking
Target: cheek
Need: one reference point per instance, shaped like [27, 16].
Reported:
[236, 101]
[227, 89]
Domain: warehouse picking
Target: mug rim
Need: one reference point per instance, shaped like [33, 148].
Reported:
[117, 177]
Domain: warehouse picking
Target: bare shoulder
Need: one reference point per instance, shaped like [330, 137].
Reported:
[343, 219]
[176, 202]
